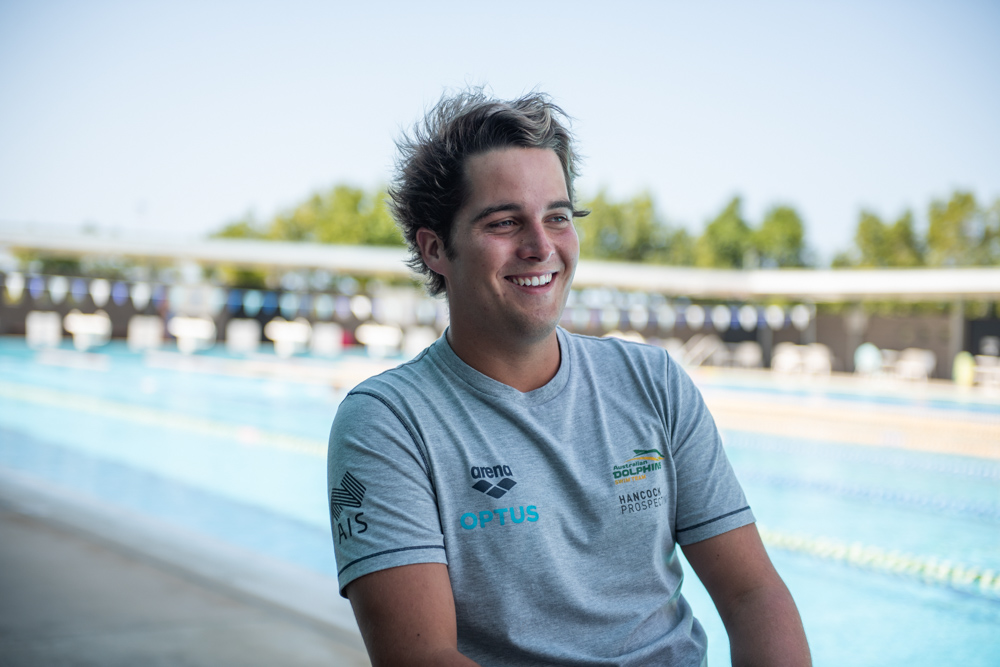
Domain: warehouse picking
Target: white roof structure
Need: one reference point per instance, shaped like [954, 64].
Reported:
[819, 285]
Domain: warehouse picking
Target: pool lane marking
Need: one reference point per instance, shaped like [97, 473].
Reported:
[961, 434]
[966, 508]
[342, 374]
[245, 435]
[900, 460]
[929, 570]
[804, 422]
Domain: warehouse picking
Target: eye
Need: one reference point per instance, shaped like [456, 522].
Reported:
[500, 224]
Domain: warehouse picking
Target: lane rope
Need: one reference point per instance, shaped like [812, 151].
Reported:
[954, 465]
[980, 581]
[978, 509]
[247, 436]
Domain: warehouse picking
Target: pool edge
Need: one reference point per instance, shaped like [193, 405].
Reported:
[207, 560]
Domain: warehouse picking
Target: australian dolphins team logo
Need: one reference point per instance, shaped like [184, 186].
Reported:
[646, 455]
[635, 468]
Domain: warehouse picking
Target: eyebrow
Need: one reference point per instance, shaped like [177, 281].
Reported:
[497, 208]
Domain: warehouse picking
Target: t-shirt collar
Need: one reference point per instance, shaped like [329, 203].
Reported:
[442, 352]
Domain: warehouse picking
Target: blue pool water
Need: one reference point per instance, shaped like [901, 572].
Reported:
[242, 458]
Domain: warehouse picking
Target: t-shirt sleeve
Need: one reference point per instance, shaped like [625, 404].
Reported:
[710, 500]
[383, 509]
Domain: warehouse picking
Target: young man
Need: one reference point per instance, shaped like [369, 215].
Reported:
[515, 494]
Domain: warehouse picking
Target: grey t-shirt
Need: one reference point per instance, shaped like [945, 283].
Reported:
[557, 511]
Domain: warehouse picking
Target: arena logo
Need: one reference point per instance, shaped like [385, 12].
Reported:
[478, 472]
[498, 490]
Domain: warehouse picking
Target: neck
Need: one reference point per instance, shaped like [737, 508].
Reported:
[523, 366]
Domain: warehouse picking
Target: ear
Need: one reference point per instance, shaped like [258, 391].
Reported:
[432, 251]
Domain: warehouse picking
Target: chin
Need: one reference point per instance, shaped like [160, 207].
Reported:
[534, 330]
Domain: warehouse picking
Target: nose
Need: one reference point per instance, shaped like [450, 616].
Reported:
[535, 243]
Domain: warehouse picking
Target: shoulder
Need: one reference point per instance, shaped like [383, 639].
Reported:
[623, 371]
[611, 350]
[410, 378]
[399, 391]
[381, 414]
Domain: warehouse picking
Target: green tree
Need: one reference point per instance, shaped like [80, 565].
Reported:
[726, 241]
[344, 214]
[869, 239]
[903, 246]
[358, 217]
[49, 265]
[679, 250]
[626, 231]
[959, 232]
[842, 260]
[246, 227]
[630, 231]
[780, 240]
[879, 244]
[991, 217]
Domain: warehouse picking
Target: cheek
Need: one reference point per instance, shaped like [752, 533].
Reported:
[570, 242]
[494, 254]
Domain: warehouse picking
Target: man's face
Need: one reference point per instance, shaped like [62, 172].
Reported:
[514, 245]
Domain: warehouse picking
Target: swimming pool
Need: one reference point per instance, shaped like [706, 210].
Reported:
[890, 552]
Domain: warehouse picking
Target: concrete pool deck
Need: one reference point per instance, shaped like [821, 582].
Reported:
[85, 583]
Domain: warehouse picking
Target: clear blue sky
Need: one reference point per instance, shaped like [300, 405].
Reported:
[179, 116]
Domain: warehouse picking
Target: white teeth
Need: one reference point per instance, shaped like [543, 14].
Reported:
[534, 281]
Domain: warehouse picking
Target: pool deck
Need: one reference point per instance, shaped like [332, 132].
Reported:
[84, 583]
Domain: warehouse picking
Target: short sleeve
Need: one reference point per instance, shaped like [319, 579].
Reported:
[383, 509]
[710, 500]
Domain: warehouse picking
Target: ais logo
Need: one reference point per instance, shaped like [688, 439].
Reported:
[349, 495]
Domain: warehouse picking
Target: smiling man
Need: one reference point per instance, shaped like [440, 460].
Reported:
[515, 494]
[508, 265]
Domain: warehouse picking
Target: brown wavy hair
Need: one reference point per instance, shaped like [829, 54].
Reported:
[429, 185]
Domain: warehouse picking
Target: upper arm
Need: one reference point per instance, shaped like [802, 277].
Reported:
[709, 499]
[383, 506]
[387, 535]
[760, 616]
[732, 565]
[407, 615]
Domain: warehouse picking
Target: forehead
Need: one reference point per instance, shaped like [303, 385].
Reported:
[515, 174]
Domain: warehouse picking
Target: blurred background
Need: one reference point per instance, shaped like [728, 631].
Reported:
[800, 203]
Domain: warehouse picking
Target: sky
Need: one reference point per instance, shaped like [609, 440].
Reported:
[178, 117]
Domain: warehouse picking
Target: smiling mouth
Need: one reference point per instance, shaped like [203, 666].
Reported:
[532, 281]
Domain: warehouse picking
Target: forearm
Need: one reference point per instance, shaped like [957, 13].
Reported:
[453, 658]
[445, 657]
[406, 615]
[403, 644]
[765, 629]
